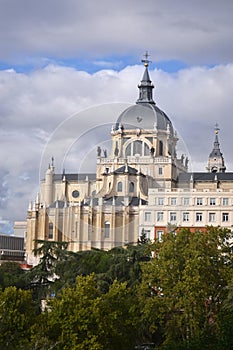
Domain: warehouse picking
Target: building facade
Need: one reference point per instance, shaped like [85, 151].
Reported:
[142, 185]
[11, 249]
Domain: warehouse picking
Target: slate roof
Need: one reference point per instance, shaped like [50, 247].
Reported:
[119, 201]
[74, 177]
[123, 170]
[57, 204]
[204, 176]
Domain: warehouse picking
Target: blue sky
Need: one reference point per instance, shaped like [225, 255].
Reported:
[90, 66]
[60, 57]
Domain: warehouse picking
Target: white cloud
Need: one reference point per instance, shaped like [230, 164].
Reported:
[33, 105]
[197, 32]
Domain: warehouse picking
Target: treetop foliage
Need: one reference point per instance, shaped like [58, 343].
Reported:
[176, 293]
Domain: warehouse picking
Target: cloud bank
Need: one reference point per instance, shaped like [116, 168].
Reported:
[198, 32]
[33, 105]
[49, 51]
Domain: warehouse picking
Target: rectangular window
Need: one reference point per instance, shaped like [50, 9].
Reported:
[159, 235]
[147, 234]
[173, 200]
[225, 201]
[198, 216]
[160, 201]
[199, 201]
[173, 216]
[107, 229]
[212, 201]
[212, 217]
[50, 230]
[186, 200]
[186, 216]
[225, 217]
[89, 230]
[159, 216]
[147, 216]
[160, 171]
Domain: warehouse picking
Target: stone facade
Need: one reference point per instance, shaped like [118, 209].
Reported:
[142, 184]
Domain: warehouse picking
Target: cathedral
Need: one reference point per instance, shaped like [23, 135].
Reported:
[140, 186]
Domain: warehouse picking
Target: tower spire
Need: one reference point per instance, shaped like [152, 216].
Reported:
[216, 160]
[146, 86]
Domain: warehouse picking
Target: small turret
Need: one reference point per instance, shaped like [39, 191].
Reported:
[216, 160]
[49, 183]
[146, 87]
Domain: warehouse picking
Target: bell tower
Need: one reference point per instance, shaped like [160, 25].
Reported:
[216, 161]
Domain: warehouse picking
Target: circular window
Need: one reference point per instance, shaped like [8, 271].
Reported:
[75, 194]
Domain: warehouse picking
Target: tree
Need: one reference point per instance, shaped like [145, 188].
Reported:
[17, 316]
[41, 278]
[82, 317]
[225, 319]
[119, 263]
[184, 285]
[143, 238]
[11, 274]
[118, 318]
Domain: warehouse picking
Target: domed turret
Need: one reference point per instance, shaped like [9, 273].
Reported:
[144, 138]
[216, 160]
[145, 114]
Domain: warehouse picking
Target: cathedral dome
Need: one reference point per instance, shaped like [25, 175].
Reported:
[144, 116]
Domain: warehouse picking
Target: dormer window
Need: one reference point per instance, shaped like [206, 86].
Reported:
[131, 187]
[119, 187]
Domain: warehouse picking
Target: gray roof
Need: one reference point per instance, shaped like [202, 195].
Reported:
[57, 204]
[11, 242]
[74, 177]
[123, 170]
[204, 176]
[119, 201]
[144, 116]
[12, 248]
[216, 149]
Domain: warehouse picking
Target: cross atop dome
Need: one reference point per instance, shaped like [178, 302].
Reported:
[146, 86]
[216, 129]
[146, 61]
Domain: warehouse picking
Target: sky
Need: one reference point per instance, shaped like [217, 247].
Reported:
[68, 67]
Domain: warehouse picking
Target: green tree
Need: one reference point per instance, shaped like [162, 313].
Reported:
[184, 285]
[118, 318]
[84, 318]
[119, 263]
[225, 319]
[41, 278]
[11, 274]
[17, 316]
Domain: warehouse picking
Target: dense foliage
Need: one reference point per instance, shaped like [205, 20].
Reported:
[175, 294]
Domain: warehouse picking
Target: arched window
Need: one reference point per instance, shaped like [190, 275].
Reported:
[119, 186]
[131, 187]
[137, 147]
[50, 235]
[160, 148]
[107, 229]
